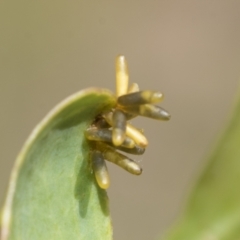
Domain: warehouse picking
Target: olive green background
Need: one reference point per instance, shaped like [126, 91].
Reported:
[189, 50]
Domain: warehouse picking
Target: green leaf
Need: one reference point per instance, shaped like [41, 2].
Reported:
[213, 211]
[53, 193]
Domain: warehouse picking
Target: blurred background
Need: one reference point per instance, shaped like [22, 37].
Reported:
[189, 50]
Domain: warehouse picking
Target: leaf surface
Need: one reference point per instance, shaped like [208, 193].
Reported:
[53, 193]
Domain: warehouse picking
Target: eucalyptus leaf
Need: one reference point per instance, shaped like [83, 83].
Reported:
[53, 193]
[213, 210]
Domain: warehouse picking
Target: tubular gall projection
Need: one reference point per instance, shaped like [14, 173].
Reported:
[111, 131]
